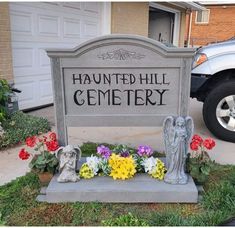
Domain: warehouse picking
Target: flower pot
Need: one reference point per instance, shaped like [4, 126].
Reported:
[45, 177]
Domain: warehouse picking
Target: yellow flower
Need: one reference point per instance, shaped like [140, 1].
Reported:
[159, 171]
[122, 167]
[86, 172]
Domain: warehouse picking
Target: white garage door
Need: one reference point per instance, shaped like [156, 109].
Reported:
[37, 26]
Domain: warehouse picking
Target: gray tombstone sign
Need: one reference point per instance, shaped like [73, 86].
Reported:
[119, 80]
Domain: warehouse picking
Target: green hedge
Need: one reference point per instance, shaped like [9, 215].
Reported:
[20, 126]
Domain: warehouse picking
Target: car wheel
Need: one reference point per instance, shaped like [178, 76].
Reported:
[219, 111]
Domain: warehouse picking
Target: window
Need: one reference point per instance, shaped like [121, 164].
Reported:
[202, 17]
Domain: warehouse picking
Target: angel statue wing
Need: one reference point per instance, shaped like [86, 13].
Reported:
[59, 152]
[189, 125]
[78, 155]
[168, 136]
[60, 157]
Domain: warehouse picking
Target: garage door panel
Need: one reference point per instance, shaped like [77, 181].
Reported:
[27, 88]
[92, 7]
[72, 28]
[48, 26]
[21, 22]
[23, 57]
[37, 88]
[72, 5]
[91, 29]
[45, 89]
[44, 60]
[39, 26]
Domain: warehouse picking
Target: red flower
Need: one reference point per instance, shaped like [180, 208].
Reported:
[194, 145]
[31, 141]
[44, 138]
[197, 138]
[209, 143]
[52, 145]
[23, 154]
[52, 136]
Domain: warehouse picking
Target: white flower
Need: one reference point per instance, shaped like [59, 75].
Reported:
[149, 164]
[93, 163]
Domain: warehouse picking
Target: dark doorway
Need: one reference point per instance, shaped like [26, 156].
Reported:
[161, 25]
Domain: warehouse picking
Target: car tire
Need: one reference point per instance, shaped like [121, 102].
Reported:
[219, 111]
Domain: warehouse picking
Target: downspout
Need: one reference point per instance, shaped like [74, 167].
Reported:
[189, 28]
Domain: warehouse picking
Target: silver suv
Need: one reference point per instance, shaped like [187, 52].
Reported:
[213, 83]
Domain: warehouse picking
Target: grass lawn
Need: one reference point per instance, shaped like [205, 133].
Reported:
[19, 208]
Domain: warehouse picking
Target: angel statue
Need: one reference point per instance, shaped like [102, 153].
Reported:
[177, 134]
[68, 157]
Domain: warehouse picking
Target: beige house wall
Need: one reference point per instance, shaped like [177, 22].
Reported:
[6, 71]
[133, 18]
[130, 18]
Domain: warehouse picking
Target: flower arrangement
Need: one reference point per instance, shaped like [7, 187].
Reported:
[42, 153]
[154, 167]
[123, 163]
[122, 167]
[199, 162]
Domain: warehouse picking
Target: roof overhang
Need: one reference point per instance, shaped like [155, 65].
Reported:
[189, 5]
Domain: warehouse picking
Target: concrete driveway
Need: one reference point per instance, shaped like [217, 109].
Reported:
[12, 166]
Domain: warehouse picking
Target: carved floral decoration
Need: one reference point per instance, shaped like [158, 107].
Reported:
[121, 54]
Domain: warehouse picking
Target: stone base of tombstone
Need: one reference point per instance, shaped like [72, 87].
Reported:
[140, 189]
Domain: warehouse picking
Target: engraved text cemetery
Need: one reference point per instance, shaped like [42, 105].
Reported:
[140, 96]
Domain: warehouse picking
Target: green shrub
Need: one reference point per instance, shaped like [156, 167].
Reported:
[20, 126]
[5, 91]
[125, 220]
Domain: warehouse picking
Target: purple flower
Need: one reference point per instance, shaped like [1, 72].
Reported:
[103, 151]
[125, 154]
[144, 150]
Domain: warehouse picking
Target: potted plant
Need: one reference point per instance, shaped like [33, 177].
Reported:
[44, 161]
[199, 163]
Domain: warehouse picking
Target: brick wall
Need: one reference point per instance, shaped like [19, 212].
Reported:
[6, 71]
[221, 25]
[130, 18]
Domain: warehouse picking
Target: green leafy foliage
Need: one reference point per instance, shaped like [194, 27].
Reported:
[19, 126]
[45, 162]
[121, 148]
[199, 167]
[5, 91]
[125, 220]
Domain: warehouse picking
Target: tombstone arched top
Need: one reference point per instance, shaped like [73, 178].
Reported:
[121, 39]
